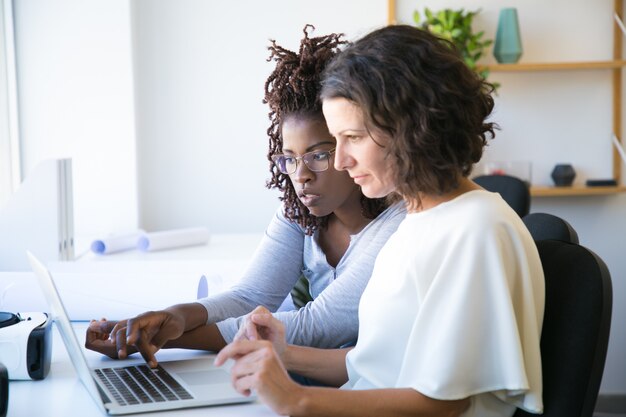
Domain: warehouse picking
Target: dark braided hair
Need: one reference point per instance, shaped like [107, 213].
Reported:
[292, 90]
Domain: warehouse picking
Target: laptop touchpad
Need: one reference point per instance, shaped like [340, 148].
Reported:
[204, 377]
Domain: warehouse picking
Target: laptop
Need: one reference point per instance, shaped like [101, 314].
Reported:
[123, 389]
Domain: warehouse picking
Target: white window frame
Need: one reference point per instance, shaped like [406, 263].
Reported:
[10, 161]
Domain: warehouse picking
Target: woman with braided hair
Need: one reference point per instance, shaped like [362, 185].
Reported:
[325, 230]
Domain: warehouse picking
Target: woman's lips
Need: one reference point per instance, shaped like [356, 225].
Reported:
[308, 199]
[358, 179]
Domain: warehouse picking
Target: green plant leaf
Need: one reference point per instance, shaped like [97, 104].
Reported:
[441, 16]
[417, 18]
[456, 27]
[429, 14]
[456, 32]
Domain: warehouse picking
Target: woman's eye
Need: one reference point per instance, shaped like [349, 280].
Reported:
[320, 156]
[289, 160]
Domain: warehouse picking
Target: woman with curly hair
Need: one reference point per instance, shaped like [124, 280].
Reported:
[325, 230]
[450, 321]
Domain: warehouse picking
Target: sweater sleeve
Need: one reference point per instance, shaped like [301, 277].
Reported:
[331, 319]
[272, 272]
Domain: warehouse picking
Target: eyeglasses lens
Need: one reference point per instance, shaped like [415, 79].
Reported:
[315, 161]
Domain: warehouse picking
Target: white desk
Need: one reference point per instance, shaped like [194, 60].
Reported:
[128, 283]
[62, 394]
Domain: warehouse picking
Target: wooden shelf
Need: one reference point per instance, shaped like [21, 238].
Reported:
[556, 66]
[544, 191]
[614, 65]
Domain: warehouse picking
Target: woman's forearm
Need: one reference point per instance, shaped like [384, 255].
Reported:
[314, 401]
[323, 365]
[206, 337]
[197, 334]
[193, 314]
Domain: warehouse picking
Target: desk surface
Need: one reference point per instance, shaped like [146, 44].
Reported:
[62, 394]
[125, 284]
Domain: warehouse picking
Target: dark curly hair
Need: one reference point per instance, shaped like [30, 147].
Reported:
[292, 90]
[415, 89]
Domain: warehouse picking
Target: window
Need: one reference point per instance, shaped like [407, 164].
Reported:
[10, 175]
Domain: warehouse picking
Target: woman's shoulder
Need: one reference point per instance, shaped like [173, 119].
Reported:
[486, 215]
[386, 222]
[476, 212]
[280, 222]
[482, 205]
[395, 212]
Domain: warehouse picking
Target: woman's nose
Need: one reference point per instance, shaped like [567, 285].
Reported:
[343, 159]
[302, 173]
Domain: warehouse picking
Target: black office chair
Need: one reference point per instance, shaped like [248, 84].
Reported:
[512, 189]
[576, 328]
[543, 226]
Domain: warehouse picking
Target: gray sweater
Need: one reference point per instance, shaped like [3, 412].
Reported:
[286, 252]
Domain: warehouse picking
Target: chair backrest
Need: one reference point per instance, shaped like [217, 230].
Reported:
[576, 328]
[543, 226]
[512, 189]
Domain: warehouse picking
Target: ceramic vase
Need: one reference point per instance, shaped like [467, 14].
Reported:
[563, 175]
[508, 45]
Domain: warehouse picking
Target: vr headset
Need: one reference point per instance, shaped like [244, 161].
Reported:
[26, 344]
[4, 391]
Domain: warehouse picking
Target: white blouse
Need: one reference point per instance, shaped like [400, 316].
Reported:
[454, 309]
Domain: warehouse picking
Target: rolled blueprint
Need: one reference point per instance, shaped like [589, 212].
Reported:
[169, 239]
[116, 243]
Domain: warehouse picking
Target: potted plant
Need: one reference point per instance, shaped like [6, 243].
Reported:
[456, 27]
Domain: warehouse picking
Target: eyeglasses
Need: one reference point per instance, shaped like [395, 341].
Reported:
[316, 161]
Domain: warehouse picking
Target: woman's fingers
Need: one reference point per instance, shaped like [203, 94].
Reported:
[266, 324]
[254, 361]
[258, 368]
[117, 325]
[101, 328]
[244, 385]
[119, 337]
[235, 350]
[147, 349]
[98, 340]
[248, 329]
[261, 310]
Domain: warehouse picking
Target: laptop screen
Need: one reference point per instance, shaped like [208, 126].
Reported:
[60, 317]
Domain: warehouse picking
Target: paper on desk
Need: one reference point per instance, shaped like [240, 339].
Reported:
[111, 295]
[173, 239]
[116, 243]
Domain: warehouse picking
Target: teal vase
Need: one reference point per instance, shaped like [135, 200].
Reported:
[508, 46]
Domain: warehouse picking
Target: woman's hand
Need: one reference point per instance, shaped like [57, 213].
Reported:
[257, 367]
[103, 337]
[260, 324]
[146, 334]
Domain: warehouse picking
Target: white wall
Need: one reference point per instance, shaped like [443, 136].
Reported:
[201, 126]
[76, 100]
[553, 117]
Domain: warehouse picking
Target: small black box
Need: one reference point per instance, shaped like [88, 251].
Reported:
[601, 183]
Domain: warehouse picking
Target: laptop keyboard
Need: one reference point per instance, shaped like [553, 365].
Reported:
[140, 384]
